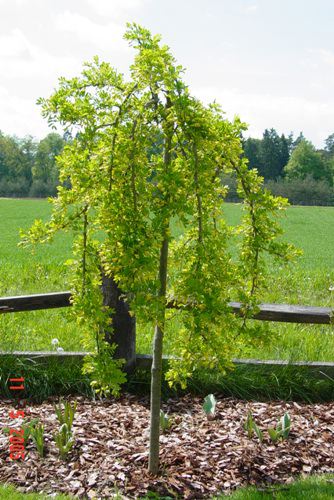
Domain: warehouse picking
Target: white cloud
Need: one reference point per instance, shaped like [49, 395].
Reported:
[285, 113]
[27, 72]
[324, 55]
[102, 36]
[20, 116]
[19, 58]
[114, 8]
[250, 8]
[41, 40]
[14, 45]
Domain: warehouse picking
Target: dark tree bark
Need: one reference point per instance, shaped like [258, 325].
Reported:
[123, 325]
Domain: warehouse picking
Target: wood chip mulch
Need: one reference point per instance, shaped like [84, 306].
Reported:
[199, 457]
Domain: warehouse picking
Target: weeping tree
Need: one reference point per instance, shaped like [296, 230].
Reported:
[146, 156]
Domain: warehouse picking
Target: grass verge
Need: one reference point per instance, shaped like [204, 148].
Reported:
[10, 493]
[313, 487]
[42, 379]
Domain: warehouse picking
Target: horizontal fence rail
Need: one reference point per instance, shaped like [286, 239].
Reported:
[284, 313]
[267, 312]
[316, 369]
[35, 302]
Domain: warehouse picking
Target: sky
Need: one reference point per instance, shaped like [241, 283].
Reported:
[271, 62]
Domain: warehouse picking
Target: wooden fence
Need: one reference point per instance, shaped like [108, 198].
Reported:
[268, 312]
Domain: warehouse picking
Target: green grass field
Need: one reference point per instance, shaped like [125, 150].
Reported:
[313, 487]
[307, 282]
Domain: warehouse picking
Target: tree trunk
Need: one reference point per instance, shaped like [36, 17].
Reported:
[124, 325]
[156, 371]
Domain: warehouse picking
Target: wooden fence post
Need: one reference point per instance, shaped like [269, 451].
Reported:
[124, 325]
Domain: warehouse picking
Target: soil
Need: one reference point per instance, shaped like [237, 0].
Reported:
[199, 457]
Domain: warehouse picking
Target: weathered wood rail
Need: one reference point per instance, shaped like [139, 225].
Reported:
[35, 302]
[268, 312]
[316, 369]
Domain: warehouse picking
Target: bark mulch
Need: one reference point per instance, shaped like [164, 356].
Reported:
[199, 457]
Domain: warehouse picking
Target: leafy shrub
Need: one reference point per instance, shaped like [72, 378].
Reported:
[40, 189]
[230, 181]
[15, 187]
[306, 191]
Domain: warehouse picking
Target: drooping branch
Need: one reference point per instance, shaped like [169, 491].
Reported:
[115, 125]
[255, 232]
[133, 170]
[198, 196]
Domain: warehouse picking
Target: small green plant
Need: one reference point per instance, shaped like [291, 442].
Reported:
[64, 440]
[248, 425]
[251, 427]
[165, 422]
[66, 415]
[274, 434]
[209, 406]
[285, 424]
[27, 426]
[282, 430]
[37, 434]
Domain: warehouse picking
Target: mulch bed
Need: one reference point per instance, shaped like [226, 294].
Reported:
[199, 457]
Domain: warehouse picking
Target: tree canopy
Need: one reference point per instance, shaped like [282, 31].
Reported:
[305, 162]
[28, 167]
[329, 145]
[269, 154]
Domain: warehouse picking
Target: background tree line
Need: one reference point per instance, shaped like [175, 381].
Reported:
[292, 168]
[28, 167]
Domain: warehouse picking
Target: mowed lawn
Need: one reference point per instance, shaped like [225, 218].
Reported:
[309, 281]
